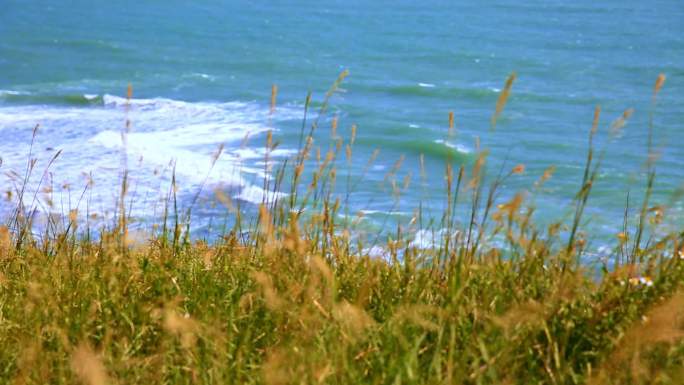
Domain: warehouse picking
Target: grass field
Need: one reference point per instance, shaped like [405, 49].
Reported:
[300, 300]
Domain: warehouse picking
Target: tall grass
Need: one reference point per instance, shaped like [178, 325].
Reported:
[293, 296]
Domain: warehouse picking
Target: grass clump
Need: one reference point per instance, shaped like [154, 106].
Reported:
[294, 297]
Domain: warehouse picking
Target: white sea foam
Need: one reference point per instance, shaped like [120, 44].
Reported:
[371, 212]
[201, 75]
[426, 85]
[428, 239]
[376, 252]
[381, 212]
[458, 147]
[11, 92]
[164, 134]
[257, 195]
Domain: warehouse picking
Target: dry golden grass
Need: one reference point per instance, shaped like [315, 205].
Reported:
[503, 98]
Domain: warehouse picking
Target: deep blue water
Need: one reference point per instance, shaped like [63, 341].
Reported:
[202, 75]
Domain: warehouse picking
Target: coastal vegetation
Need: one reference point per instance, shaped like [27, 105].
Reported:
[291, 295]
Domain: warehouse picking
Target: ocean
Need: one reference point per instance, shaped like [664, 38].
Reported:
[201, 75]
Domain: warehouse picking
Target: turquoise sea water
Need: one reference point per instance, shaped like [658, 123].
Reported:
[202, 75]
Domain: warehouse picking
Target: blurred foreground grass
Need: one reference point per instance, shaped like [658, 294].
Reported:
[232, 314]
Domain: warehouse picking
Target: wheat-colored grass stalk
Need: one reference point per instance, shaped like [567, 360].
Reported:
[503, 98]
[274, 95]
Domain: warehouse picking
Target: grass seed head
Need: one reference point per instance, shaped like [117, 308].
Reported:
[5, 242]
[451, 123]
[619, 123]
[595, 122]
[88, 367]
[274, 94]
[519, 169]
[660, 82]
[503, 98]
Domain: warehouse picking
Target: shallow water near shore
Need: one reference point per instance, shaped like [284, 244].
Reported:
[202, 77]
